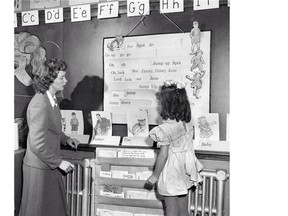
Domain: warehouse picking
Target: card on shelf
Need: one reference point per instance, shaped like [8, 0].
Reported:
[105, 174]
[72, 122]
[118, 174]
[206, 128]
[137, 123]
[220, 146]
[137, 141]
[102, 123]
[106, 140]
[129, 176]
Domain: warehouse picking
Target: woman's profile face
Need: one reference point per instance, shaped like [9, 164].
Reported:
[59, 82]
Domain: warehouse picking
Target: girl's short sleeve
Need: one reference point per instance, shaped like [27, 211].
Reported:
[159, 136]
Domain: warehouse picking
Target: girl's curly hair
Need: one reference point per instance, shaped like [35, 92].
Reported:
[174, 103]
[47, 73]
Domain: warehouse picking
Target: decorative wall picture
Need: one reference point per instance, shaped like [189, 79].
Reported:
[72, 122]
[136, 67]
[28, 56]
[102, 123]
[137, 123]
[206, 128]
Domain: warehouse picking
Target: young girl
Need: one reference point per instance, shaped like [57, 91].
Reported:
[177, 168]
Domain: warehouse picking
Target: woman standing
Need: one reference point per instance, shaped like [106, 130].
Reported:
[43, 186]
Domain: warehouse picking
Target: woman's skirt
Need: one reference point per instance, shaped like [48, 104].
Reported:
[43, 193]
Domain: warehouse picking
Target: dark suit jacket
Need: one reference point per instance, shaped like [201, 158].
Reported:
[45, 134]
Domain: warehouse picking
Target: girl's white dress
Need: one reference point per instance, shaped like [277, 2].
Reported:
[182, 168]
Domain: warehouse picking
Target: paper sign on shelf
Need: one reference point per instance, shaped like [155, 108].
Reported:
[106, 140]
[205, 4]
[80, 13]
[222, 146]
[136, 153]
[54, 15]
[83, 139]
[105, 174]
[129, 176]
[110, 194]
[137, 141]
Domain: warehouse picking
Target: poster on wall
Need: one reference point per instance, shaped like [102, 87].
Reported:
[28, 50]
[135, 67]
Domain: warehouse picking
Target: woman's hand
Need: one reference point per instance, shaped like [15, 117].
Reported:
[66, 166]
[73, 143]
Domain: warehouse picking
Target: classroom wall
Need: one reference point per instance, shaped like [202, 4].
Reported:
[81, 44]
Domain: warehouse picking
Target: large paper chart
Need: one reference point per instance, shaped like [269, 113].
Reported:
[134, 71]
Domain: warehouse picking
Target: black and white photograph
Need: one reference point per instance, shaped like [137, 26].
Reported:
[91, 78]
[155, 69]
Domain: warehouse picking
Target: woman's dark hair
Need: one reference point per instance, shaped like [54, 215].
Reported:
[174, 103]
[47, 73]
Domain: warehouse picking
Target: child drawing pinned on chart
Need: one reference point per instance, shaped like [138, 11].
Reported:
[74, 123]
[205, 129]
[197, 61]
[196, 82]
[195, 36]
